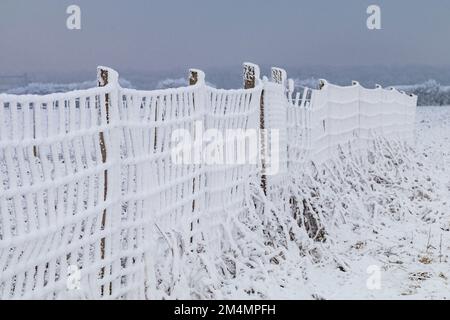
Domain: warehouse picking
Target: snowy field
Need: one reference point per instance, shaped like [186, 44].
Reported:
[364, 225]
[413, 253]
[407, 238]
[356, 210]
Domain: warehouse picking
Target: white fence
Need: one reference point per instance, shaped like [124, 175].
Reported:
[89, 191]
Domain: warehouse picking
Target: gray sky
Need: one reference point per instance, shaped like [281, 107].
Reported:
[166, 34]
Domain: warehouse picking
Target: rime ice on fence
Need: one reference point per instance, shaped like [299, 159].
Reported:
[52, 201]
[320, 120]
[87, 179]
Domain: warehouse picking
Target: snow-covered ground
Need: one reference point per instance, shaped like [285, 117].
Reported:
[413, 252]
[395, 243]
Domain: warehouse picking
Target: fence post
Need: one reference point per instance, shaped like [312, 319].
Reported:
[251, 75]
[290, 89]
[195, 77]
[359, 138]
[277, 116]
[105, 76]
[379, 129]
[35, 148]
[322, 83]
[279, 76]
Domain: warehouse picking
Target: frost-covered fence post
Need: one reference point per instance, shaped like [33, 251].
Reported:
[412, 103]
[251, 75]
[324, 117]
[290, 90]
[358, 133]
[276, 117]
[35, 148]
[404, 120]
[279, 76]
[195, 77]
[380, 111]
[106, 76]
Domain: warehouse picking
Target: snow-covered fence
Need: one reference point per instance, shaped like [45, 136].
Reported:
[320, 120]
[93, 205]
[52, 182]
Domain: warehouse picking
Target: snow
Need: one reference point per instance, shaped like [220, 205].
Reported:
[382, 208]
[410, 244]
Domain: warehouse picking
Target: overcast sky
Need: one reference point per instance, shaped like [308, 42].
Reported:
[152, 35]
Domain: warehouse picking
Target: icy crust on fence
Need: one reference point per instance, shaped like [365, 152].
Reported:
[92, 205]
